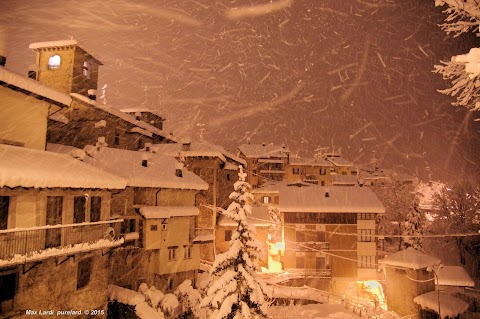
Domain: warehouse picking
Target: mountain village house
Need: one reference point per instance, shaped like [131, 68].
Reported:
[264, 162]
[329, 232]
[217, 167]
[315, 170]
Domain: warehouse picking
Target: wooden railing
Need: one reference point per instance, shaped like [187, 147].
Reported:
[25, 241]
[301, 272]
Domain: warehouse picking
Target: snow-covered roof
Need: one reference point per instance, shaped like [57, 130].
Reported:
[160, 170]
[449, 305]
[197, 149]
[141, 110]
[339, 161]
[410, 258]
[11, 79]
[124, 116]
[263, 150]
[259, 218]
[340, 199]
[454, 276]
[274, 187]
[313, 161]
[338, 179]
[52, 44]
[204, 237]
[24, 167]
[156, 212]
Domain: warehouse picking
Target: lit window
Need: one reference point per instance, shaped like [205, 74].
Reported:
[86, 69]
[84, 272]
[172, 253]
[266, 199]
[54, 62]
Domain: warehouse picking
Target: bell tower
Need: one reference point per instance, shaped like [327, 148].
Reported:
[65, 66]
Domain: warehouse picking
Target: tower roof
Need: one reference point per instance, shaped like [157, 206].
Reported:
[37, 46]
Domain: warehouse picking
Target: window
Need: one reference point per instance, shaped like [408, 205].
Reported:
[296, 170]
[366, 262]
[164, 227]
[8, 285]
[320, 263]
[79, 209]
[128, 226]
[187, 252]
[344, 173]
[53, 237]
[4, 203]
[153, 227]
[266, 199]
[228, 235]
[95, 208]
[32, 75]
[275, 199]
[228, 177]
[116, 138]
[323, 171]
[172, 253]
[84, 271]
[86, 69]
[366, 235]
[365, 216]
[54, 62]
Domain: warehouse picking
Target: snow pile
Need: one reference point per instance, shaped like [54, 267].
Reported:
[135, 299]
[190, 299]
[449, 305]
[471, 61]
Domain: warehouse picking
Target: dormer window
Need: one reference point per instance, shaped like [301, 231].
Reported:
[54, 62]
[86, 69]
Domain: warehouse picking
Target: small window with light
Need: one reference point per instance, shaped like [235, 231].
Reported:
[54, 62]
[86, 69]
[266, 199]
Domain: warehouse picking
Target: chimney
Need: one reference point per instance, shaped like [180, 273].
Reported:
[92, 94]
[186, 144]
[179, 169]
[148, 147]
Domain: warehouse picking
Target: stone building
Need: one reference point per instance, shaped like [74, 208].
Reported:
[55, 231]
[158, 212]
[218, 168]
[313, 170]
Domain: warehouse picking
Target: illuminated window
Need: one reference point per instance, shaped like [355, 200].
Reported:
[54, 62]
[86, 69]
[266, 199]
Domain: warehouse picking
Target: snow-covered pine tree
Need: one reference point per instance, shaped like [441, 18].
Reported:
[414, 224]
[276, 223]
[463, 70]
[236, 291]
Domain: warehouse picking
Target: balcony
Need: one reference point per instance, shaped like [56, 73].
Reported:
[301, 273]
[309, 246]
[22, 245]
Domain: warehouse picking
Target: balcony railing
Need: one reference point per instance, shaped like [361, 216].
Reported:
[309, 245]
[27, 241]
[301, 272]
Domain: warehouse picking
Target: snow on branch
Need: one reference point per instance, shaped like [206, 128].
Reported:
[464, 72]
[463, 16]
